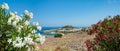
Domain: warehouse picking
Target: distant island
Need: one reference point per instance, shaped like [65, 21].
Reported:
[66, 29]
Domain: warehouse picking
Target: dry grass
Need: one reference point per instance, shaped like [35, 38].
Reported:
[69, 42]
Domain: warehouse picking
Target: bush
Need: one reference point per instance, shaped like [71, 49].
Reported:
[58, 35]
[16, 32]
[107, 35]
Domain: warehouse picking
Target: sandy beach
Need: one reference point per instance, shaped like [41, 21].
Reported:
[68, 42]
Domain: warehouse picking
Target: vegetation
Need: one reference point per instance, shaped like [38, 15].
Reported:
[58, 35]
[107, 35]
[16, 32]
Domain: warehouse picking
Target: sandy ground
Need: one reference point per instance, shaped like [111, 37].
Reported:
[69, 42]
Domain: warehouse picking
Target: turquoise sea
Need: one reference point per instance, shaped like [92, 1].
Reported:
[47, 28]
[50, 28]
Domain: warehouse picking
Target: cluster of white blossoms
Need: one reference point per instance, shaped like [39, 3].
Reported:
[20, 42]
[14, 19]
[5, 6]
[25, 33]
[28, 14]
[36, 24]
[17, 43]
[40, 38]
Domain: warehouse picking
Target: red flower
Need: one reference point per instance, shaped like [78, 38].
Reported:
[95, 26]
[89, 45]
[90, 32]
[98, 36]
[118, 29]
[102, 37]
[105, 37]
[115, 22]
[115, 37]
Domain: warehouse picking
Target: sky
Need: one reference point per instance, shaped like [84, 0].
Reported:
[55, 13]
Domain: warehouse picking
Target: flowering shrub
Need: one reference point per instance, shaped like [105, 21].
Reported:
[16, 32]
[107, 35]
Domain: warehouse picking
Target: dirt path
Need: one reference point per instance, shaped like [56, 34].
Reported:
[69, 42]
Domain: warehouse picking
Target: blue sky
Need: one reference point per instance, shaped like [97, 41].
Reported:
[66, 12]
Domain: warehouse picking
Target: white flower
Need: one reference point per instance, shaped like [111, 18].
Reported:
[17, 45]
[39, 27]
[18, 38]
[9, 41]
[5, 6]
[18, 42]
[37, 39]
[42, 39]
[26, 11]
[36, 23]
[29, 14]
[14, 23]
[9, 22]
[108, 18]
[28, 40]
[18, 18]
[33, 31]
[20, 26]
[19, 29]
[26, 23]
[14, 19]
[12, 14]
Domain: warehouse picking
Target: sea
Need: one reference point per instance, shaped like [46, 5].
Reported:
[50, 28]
[47, 28]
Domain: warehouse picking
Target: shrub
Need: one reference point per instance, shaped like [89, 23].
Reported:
[58, 35]
[16, 32]
[107, 35]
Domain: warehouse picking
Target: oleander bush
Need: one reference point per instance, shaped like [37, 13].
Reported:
[16, 32]
[107, 35]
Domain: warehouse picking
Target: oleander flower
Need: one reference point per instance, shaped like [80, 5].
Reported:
[14, 19]
[107, 35]
[42, 39]
[17, 32]
[28, 40]
[18, 42]
[9, 41]
[35, 23]
[33, 31]
[5, 6]
[14, 23]
[26, 23]
[19, 27]
[12, 14]
[39, 27]
[28, 14]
